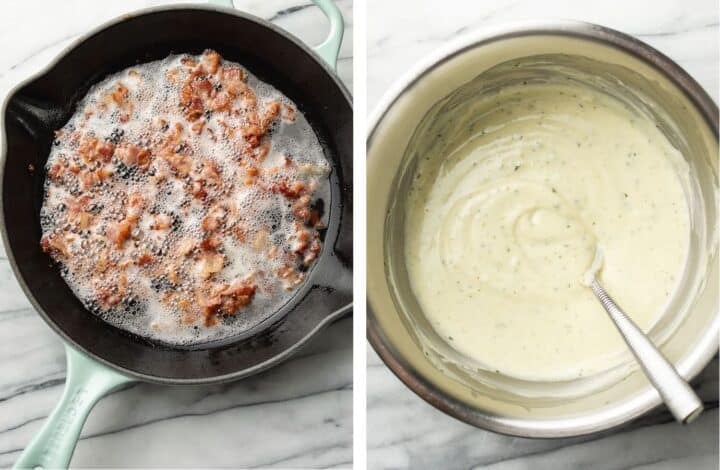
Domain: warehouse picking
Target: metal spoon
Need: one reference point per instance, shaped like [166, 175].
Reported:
[677, 394]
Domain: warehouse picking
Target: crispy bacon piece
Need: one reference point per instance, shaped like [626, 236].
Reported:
[288, 113]
[272, 110]
[185, 246]
[233, 80]
[54, 244]
[201, 87]
[210, 262]
[136, 204]
[226, 299]
[211, 172]
[57, 171]
[119, 232]
[198, 189]
[290, 276]
[221, 101]
[195, 108]
[198, 126]
[180, 164]
[213, 220]
[211, 60]
[161, 222]
[252, 135]
[145, 259]
[301, 208]
[92, 149]
[313, 251]
[292, 191]
[186, 93]
[210, 243]
[120, 94]
[133, 155]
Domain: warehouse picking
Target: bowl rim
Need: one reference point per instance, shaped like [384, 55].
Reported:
[625, 411]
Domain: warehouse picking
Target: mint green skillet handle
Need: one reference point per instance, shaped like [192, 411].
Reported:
[87, 381]
[330, 48]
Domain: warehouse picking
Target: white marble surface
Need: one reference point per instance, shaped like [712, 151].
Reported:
[404, 431]
[297, 415]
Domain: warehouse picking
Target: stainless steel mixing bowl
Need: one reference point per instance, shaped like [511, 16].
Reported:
[396, 328]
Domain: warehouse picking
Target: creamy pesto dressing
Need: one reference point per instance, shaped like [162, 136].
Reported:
[510, 199]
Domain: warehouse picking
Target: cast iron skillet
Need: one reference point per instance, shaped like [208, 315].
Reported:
[100, 356]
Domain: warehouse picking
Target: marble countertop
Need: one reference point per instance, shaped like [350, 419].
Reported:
[406, 432]
[297, 415]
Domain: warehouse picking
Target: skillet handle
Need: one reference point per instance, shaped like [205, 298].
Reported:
[87, 381]
[329, 49]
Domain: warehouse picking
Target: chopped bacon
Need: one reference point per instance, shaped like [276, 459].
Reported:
[180, 164]
[202, 87]
[292, 192]
[198, 190]
[211, 60]
[210, 263]
[185, 246]
[120, 94]
[197, 126]
[84, 220]
[252, 134]
[221, 101]
[54, 244]
[145, 259]
[92, 149]
[233, 79]
[161, 222]
[210, 224]
[57, 170]
[118, 228]
[195, 108]
[301, 208]
[226, 299]
[136, 205]
[290, 276]
[105, 150]
[134, 155]
[210, 171]
[240, 234]
[288, 113]
[186, 94]
[262, 151]
[188, 62]
[213, 220]
[313, 251]
[119, 232]
[271, 113]
[210, 243]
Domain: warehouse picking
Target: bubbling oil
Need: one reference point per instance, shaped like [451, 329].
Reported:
[260, 227]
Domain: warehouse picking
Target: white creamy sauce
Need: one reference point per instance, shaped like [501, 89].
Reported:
[505, 220]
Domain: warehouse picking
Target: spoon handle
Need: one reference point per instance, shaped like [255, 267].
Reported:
[677, 394]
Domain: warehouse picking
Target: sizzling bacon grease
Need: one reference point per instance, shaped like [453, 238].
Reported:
[182, 199]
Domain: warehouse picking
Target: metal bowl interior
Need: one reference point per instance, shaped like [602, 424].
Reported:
[395, 328]
[44, 103]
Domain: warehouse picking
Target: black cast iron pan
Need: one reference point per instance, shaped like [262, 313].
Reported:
[100, 356]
